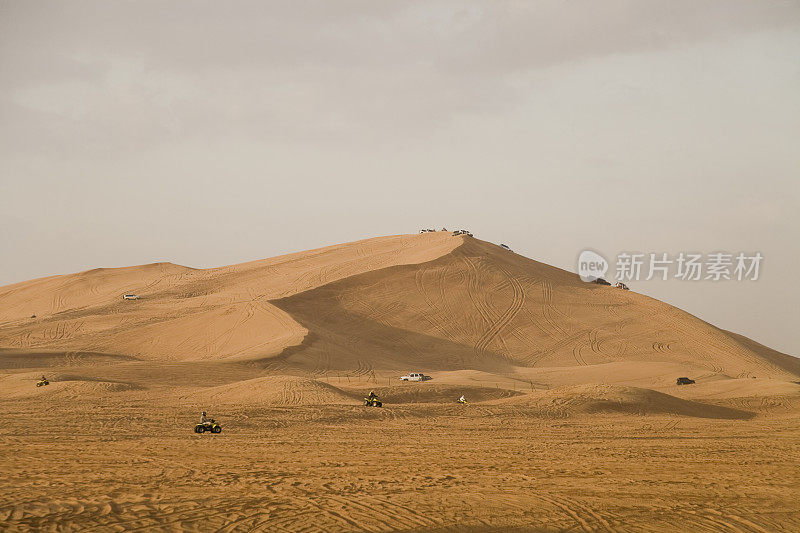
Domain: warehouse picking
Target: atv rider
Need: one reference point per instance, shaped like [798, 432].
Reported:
[462, 399]
[372, 395]
[204, 420]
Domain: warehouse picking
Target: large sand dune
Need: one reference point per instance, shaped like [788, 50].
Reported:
[188, 314]
[575, 421]
[433, 301]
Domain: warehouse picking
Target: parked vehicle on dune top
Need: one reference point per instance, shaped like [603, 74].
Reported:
[684, 381]
[415, 376]
[130, 296]
[504, 247]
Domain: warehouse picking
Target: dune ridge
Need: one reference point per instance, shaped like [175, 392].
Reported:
[590, 399]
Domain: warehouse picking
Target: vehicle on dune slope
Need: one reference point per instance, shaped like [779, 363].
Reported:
[372, 402]
[415, 376]
[211, 426]
[42, 382]
[684, 381]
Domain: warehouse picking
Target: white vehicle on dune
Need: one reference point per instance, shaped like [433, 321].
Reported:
[415, 376]
[130, 296]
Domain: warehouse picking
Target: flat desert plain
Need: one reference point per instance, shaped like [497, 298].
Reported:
[574, 422]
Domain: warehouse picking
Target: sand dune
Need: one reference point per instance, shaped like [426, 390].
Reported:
[273, 391]
[62, 386]
[22, 359]
[435, 301]
[575, 421]
[279, 330]
[485, 308]
[470, 312]
[593, 399]
[412, 393]
[189, 314]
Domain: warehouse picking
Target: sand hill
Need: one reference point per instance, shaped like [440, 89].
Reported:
[574, 421]
[434, 302]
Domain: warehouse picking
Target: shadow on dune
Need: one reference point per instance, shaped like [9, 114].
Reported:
[22, 359]
[340, 340]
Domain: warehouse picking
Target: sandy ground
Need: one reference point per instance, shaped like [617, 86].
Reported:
[86, 455]
[575, 422]
[123, 463]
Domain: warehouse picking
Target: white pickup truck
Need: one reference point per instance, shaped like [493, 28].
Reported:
[415, 376]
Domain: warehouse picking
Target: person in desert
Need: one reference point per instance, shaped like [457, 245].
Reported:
[372, 395]
[204, 419]
[462, 399]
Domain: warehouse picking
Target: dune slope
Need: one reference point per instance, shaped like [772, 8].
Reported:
[190, 314]
[481, 307]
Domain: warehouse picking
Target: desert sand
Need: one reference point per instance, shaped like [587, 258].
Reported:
[574, 421]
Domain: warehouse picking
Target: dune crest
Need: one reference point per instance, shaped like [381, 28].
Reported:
[276, 390]
[62, 386]
[591, 399]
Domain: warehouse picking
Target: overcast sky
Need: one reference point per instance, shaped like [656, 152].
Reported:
[210, 133]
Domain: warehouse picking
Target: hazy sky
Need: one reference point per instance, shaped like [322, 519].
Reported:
[210, 133]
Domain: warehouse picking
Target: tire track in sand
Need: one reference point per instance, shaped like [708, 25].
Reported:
[473, 289]
[548, 309]
[440, 325]
[517, 301]
[583, 515]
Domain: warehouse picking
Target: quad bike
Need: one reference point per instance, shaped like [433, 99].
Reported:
[42, 383]
[211, 426]
[373, 402]
[462, 402]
